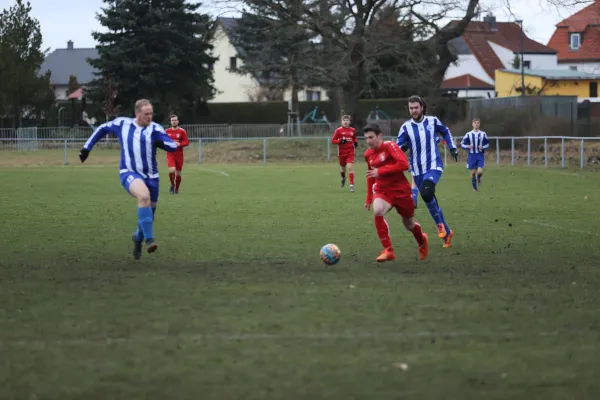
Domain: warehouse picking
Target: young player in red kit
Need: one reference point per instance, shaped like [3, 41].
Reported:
[345, 138]
[175, 160]
[388, 188]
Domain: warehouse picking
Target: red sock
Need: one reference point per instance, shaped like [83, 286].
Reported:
[177, 182]
[172, 178]
[383, 232]
[418, 233]
[343, 174]
[351, 178]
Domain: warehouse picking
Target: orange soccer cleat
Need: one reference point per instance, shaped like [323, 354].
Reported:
[448, 239]
[441, 230]
[424, 247]
[387, 255]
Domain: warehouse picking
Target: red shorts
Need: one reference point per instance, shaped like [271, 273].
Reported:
[175, 160]
[400, 201]
[345, 159]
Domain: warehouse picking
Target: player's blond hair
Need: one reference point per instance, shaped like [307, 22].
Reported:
[141, 103]
[346, 117]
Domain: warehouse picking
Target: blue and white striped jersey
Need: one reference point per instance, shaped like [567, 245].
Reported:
[475, 139]
[421, 139]
[138, 150]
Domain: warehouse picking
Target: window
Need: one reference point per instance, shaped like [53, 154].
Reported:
[527, 64]
[233, 63]
[573, 67]
[593, 89]
[313, 95]
[575, 41]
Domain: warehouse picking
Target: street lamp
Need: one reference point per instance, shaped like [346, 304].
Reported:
[520, 22]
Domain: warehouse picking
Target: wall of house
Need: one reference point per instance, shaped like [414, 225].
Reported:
[579, 88]
[307, 94]
[467, 64]
[231, 87]
[591, 67]
[507, 82]
[60, 91]
[537, 61]
[476, 93]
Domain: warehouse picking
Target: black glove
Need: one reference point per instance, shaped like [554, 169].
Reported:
[83, 154]
[355, 144]
[160, 144]
[454, 154]
[404, 147]
[343, 141]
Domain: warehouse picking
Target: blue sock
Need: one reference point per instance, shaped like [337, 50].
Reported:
[415, 195]
[145, 221]
[474, 183]
[435, 211]
[441, 214]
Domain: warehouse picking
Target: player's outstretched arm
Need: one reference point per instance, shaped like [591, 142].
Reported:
[161, 140]
[398, 155]
[99, 133]
[447, 135]
[465, 142]
[185, 142]
[370, 183]
[403, 140]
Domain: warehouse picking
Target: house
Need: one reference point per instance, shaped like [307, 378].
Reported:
[577, 40]
[548, 82]
[233, 87]
[64, 63]
[486, 46]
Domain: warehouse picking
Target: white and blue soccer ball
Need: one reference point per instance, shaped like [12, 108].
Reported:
[330, 254]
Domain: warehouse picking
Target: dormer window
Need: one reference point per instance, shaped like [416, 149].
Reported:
[574, 41]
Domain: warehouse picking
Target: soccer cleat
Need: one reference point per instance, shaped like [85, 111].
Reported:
[137, 247]
[343, 182]
[172, 190]
[448, 239]
[386, 255]
[441, 230]
[176, 192]
[351, 188]
[151, 245]
[424, 247]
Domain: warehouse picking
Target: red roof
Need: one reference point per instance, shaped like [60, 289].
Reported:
[466, 82]
[587, 23]
[506, 34]
[76, 94]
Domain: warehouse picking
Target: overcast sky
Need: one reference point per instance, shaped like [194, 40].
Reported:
[64, 20]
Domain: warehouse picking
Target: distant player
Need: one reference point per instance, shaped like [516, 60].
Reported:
[175, 160]
[418, 135]
[139, 138]
[413, 184]
[345, 138]
[476, 142]
[388, 188]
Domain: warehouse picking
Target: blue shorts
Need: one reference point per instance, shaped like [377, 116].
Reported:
[151, 184]
[433, 175]
[475, 161]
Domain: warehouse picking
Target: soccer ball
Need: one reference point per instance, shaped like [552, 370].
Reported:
[330, 254]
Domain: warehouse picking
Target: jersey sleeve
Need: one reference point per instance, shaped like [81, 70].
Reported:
[185, 142]
[398, 155]
[485, 142]
[162, 140]
[335, 139]
[370, 183]
[403, 140]
[465, 142]
[111, 127]
[445, 132]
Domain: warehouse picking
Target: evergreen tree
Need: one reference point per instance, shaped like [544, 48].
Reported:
[155, 49]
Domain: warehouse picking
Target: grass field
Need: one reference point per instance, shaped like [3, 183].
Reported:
[235, 304]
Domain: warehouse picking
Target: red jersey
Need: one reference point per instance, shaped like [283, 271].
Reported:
[344, 133]
[178, 135]
[390, 162]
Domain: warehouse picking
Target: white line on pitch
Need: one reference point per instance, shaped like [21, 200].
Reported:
[215, 171]
[558, 227]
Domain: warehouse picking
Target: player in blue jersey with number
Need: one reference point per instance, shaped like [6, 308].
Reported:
[418, 135]
[475, 142]
[139, 138]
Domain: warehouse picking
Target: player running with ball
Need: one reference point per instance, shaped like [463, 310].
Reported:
[345, 138]
[388, 188]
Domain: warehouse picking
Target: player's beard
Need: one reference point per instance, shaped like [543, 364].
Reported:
[419, 118]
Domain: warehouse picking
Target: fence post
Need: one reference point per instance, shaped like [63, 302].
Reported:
[546, 152]
[66, 160]
[512, 151]
[498, 151]
[562, 152]
[265, 151]
[328, 149]
[200, 151]
[581, 165]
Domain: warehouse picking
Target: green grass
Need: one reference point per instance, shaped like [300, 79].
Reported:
[236, 304]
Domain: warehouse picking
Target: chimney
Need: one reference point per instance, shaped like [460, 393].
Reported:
[70, 45]
[491, 20]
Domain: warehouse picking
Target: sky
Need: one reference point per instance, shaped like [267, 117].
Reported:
[76, 19]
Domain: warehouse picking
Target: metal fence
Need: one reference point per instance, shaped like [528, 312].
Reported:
[550, 151]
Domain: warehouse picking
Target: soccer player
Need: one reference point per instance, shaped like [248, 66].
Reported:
[476, 142]
[139, 138]
[418, 135]
[388, 188]
[345, 138]
[175, 160]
